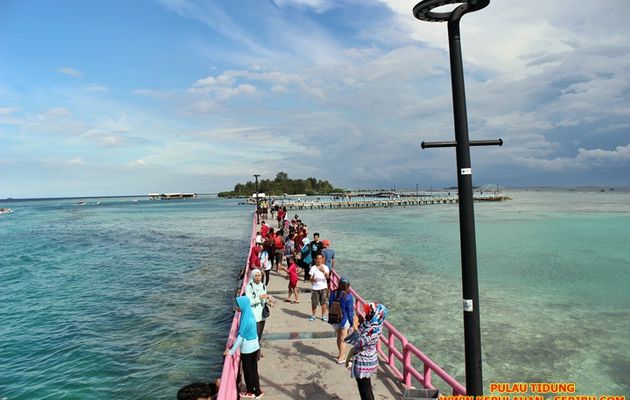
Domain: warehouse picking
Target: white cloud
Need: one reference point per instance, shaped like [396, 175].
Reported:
[278, 89]
[8, 110]
[69, 71]
[620, 155]
[58, 112]
[137, 163]
[75, 161]
[319, 6]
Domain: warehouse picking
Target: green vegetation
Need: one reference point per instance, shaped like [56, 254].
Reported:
[281, 185]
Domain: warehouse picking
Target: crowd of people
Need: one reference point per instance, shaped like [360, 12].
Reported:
[288, 248]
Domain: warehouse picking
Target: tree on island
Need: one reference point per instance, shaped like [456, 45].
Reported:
[282, 184]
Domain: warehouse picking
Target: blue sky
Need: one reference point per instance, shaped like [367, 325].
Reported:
[131, 97]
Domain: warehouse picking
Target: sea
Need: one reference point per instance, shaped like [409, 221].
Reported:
[128, 298]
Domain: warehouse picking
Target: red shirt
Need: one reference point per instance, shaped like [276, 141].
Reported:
[264, 230]
[293, 275]
[254, 258]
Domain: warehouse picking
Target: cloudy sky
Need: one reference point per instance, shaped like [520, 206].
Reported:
[130, 97]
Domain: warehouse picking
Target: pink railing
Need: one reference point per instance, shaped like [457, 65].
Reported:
[390, 338]
[231, 365]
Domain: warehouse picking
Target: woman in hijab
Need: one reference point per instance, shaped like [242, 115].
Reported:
[306, 258]
[256, 292]
[363, 352]
[247, 342]
[254, 257]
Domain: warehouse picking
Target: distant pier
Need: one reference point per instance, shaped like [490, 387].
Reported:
[384, 202]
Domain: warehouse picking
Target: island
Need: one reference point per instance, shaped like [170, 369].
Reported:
[283, 185]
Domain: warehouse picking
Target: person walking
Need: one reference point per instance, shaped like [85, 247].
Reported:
[319, 287]
[362, 357]
[265, 264]
[341, 314]
[316, 247]
[278, 249]
[254, 257]
[306, 258]
[256, 291]
[329, 254]
[293, 281]
[247, 343]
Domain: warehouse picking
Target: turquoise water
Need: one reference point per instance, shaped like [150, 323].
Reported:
[124, 300]
[130, 299]
[554, 270]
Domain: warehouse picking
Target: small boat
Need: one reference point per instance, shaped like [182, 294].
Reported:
[4, 210]
[81, 203]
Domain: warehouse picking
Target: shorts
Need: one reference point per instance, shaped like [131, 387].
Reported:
[338, 326]
[319, 297]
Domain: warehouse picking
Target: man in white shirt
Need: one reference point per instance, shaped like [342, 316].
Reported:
[319, 288]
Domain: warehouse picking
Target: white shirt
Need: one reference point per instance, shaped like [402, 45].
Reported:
[265, 262]
[319, 282]
[258, 239]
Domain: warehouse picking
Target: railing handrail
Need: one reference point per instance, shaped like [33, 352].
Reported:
[408, 350]
[231, 365]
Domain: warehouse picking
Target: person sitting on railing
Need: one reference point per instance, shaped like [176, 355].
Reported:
[247, 342]
[346, 308]
[363, 358]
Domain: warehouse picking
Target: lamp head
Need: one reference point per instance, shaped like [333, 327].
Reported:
[424, 10]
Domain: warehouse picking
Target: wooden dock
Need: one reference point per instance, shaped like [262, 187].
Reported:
[372, 203]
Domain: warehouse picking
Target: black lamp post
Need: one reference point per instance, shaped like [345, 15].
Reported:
[472, 333]
[257, 200]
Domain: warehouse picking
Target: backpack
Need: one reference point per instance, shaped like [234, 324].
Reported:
[335, 313]
[279, 245]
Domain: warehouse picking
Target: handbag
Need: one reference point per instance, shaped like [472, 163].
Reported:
[266, 311]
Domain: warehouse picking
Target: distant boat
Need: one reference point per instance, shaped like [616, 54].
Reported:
[5, 210]
[81, 203]
[98, 203]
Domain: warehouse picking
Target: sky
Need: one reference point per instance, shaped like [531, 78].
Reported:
[130, 97]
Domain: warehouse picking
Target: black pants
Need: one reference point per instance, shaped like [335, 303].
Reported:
[365, 388]
[306, 267]
[266, 280]
[250, 371]
[277, 258]
[260, 327]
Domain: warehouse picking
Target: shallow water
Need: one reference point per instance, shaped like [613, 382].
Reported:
[124, 300]
[553, 273]
[131, 299]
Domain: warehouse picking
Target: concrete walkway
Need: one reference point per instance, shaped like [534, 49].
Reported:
[300, 355]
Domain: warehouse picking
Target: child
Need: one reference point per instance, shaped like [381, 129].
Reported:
[293, 280]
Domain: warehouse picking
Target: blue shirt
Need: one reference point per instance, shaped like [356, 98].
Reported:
[329, 255]
[347, 306]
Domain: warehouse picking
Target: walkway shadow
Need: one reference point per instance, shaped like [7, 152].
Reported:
[296, 313]
[314, 351]
[309, 391]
